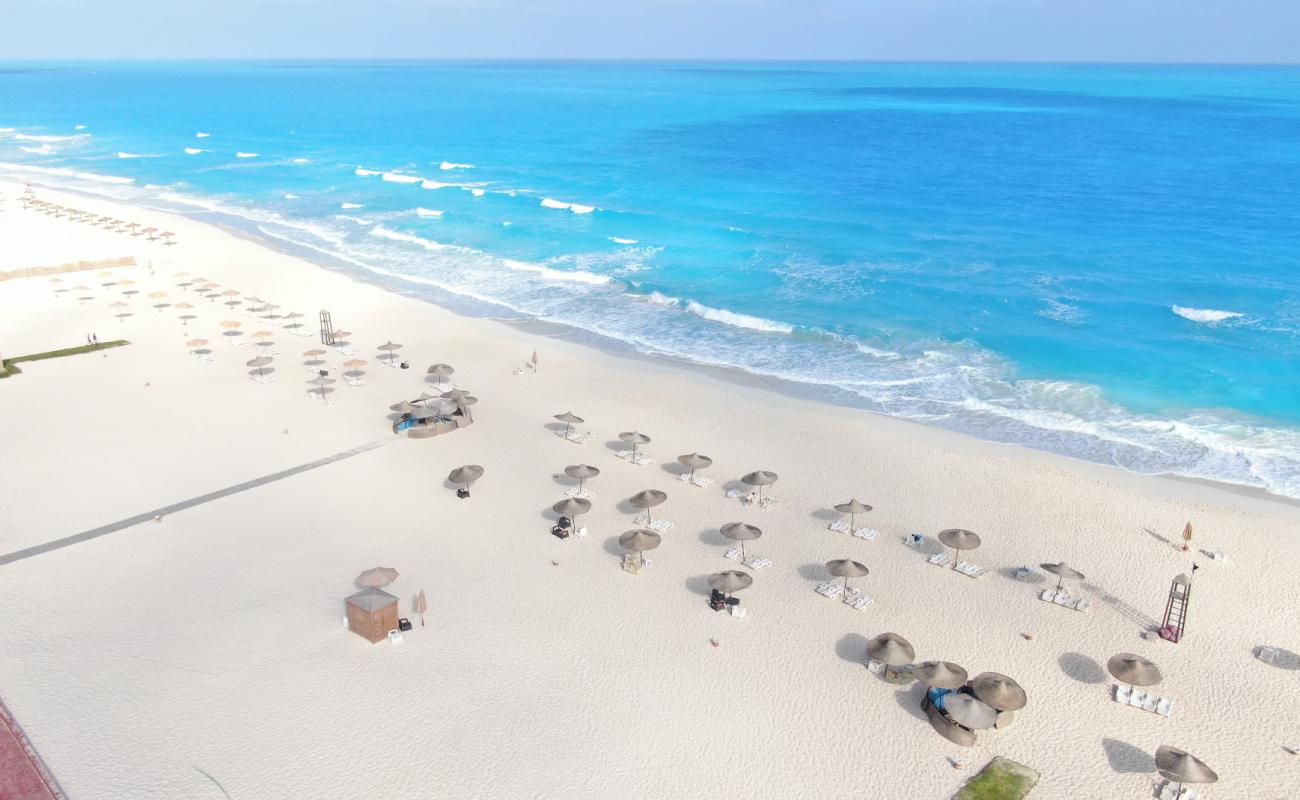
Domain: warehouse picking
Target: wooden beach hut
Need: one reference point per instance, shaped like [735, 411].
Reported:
[372, 613]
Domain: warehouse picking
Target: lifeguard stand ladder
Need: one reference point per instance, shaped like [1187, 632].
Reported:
[1180, 595]
[326, 328]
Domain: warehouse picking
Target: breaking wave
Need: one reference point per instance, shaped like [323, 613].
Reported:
[1205, 315]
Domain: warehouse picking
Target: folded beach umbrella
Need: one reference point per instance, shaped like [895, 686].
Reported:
[959, 539]
[634, 438]
[694, 461]
[853, 508]
[639, 541]
[1062, 572]
[582, 472]
[259, 363]
[647, 499]
[730, 581]
[1182, 767]
[969, 711]
[441, 371]
[846, 568]
[392, 348]
[376, 577]
[940, 674]
[740, 532]
[466, 474]
[760, 478]
[1133, 670]
[568, 418]
[999, 691]
[891, 650]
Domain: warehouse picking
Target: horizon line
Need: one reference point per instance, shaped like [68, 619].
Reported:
[645, 60]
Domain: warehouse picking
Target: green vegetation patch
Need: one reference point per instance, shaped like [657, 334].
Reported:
[9, 366]
[1001, 779]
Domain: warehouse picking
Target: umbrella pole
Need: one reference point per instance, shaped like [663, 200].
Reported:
[1059, 580]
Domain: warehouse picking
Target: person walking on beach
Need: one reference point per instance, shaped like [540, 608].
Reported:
[95, 337]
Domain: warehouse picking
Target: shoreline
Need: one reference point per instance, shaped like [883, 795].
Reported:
[1169, 485]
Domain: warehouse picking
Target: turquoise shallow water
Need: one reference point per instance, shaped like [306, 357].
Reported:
[1101, 261]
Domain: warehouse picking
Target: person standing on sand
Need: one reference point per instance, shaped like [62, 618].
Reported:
[95, 337]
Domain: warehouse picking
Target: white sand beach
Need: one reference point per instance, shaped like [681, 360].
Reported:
[204, 653]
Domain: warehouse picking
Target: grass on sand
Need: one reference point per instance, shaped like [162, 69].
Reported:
[9, 366]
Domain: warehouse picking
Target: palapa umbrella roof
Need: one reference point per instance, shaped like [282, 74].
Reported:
[441, 369]
[634, 437]
[118, 304]
[403, 407]
[572, 505]
[315, 351]
[999, 691]
[1181, 766]
[969, 711]
[760, 478]
[230, 293]
[455, 394]
[262, 334]
[569, 417]
[640, 540]
[196, 342]
[342, 334]
[694, 461]
[355, 363]
[581, 471]
[434, 408]
[846, 568]
[466, 474]
[940, 674]
[1062, 570]
[377, 576]
[156, 295]
[321, 380]
[183, 305]
[959, 539]
[740, 532]
[853, 507]
[260, 361]
[730, 581]
[230, 323]
[891, 649]
[1133, 669]
[293, 315]
[648, 498]
[390, 345]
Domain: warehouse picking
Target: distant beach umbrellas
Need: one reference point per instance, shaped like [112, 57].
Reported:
[891, 650]
[1062, 572]
[1133, 669]
[999, 691]
[940, 674]
[959, 539]
[391, 348]
[568, 418]
[639, 541]
[376, 577]
[441, 371]
[1182, 767]
[740, 532]
[760, 478]
[969, 711]
[853, 508]
[582, 472]
[694, 461]
[634, 438]
[647, 499]
[466, 475]
[730, 581]
[846, 568]
[260, 362]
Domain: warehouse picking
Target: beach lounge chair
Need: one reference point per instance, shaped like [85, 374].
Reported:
[1137, 698]
[265, 380]
[970, 570]
[1267, 654]
[869, 534]
[205, 358]
[830, 589]
[642, 460]
[857, 600]
[581, 494]
[632, 564]
[738, 611]
[757, 562]
[624, 454]
[660, 525]
[733, 553]
[733, 493]
[768, 502]
[1122, 692]
[580, 532]
[1169, 792]
[839, 526]
[354, 380]
[940, 559]
[579, 438]
[702, 482]
[395, 636]
[1165, 706]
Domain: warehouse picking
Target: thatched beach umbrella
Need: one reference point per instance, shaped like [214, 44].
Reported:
[230, 323]
[185, 318]
[999, 691]
[1062, 572]
[846, 568]
[760, 478]
[466, 474]
[853, 508]
[392, 348]
[353, 367]
[568, 418]
[634, 438]
[891, 650]
[969, 712]
[340, 337]
[403, 407]
[1134, 670]
[1182, 767]
[694, 461]
[313, 357]
[940, 674]
[195, 343]
[437, 407]
[647, 499]
[321, 382]
[582, 472]
[730, 581]
[259, 363]
[639, 541]
[376, 577]
[441, 371]
[740, 532]
[959, 539]
[571, 507]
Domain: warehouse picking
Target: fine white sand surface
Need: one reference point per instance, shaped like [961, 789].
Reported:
[203, 655]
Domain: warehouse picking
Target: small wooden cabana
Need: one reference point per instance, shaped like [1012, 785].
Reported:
[372, 613]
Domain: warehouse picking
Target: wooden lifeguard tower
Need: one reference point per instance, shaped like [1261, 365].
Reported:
[326, 329]
[1175, 622]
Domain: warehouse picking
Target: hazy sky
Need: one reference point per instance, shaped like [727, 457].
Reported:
[1070, 30]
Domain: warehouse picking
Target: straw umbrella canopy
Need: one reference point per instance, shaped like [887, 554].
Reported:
[313, 356]
[262, 334]
[404, 407]
[999, 691]
[853, 508]
[568, 418]
[760, 478]
[969, 712]
[582, 472]
[940, 674]
[1062, 572]
[634, 438]
[466, 474]
[259, 363]
[377, 577]
[959, 539]
[846, 568]
[230, 323]
[730, 581]
[321, 381]
[354, 365]
[193, 343]
[639, 541]
[436, 407]
[647, 499]
[392, 348]
[891, 650]
[340, 335]
[1133, 670]
[571, 507]
[1182, 767]
[441, 371]
[740, 532]
[694, 461]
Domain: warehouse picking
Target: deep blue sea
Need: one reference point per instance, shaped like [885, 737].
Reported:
[1101, 261]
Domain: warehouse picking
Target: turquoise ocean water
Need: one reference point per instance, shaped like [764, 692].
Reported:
[1100, 261]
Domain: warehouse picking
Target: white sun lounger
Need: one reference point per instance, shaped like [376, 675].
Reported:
[830, 589]
[580, 531]
[875, 667]
[940, 559]
[660, 525]
[757, 562]
[1061, 598]
[582, 494]
[702, 482]
[766, 503]
[1147, 701]
[1168, 792]
[839, 526]
[642, 460]
[733, 553]
[579, 438]
[265, 380]
[970, 570]
[738, 611]
[354, 381]
[206, 358]
[870, 534]
[857, 600]
[624, 454]
[1122, 692]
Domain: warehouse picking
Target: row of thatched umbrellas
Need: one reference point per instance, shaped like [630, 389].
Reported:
[111, 223]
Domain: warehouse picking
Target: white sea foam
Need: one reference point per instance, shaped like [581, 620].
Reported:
[40, 150]
[122, 154]
[291, 196]
[245, 155]
[576, 208]
[351, 205]
[476, 192]
[619, 240]
[577, 276]
[201, 135]
[663, 300]
[434, 185]
[427, 212]
[1206, 315]
[301, 160]
[738, 320]
[63, 172]
[409, 238]
[43, 137]
[353, 220]
[446, 165]
[401, 177]
[193, 151]
[363, 172]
